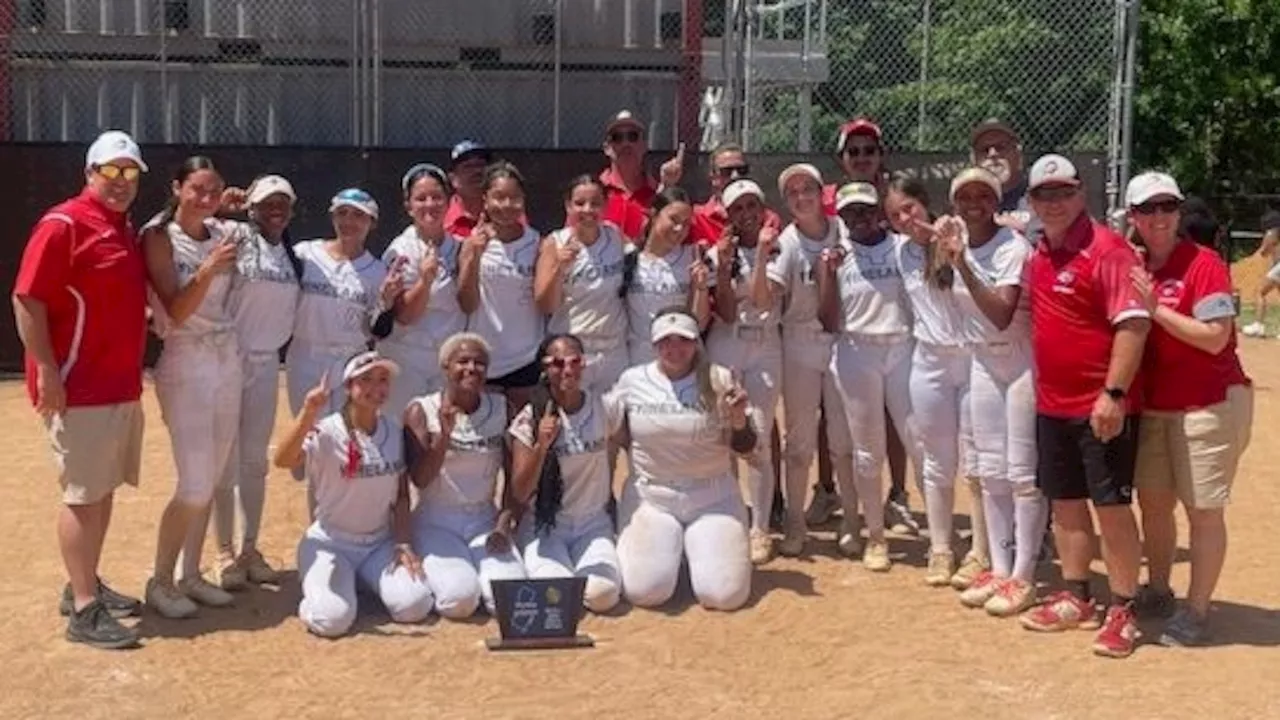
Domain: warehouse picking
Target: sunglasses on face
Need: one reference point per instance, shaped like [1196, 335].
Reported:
[622, 136]
[113, 172]
[733, 171]
[861, 151]
[1164, 207]
[1054, 194]
[572, 362]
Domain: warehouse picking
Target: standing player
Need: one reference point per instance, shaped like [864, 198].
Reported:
[728, 163]
[748, 292]
[79, 303]
[629, 191]
[427, 312]
[806, 359]
[263, 301]
[579, 282]
[1082, 299]
[861, 300]
[495, 284]
[1268, 250]
[190, 260]
[354, 458]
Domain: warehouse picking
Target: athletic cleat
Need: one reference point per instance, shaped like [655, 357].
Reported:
[94, 626]
[823, 506]
[970, 568]
[1254, 329]
[980, 590]
[119, 605]
[169, 602]
[793, 542]
[232, 575]
[941, 565]
[1185, 629]
[899, 520]
[204, 592]
[1118, 635]
[1012, 596]
[1153, 603]
[847, 541]
[260, 573]
[1061, 611]
[875, 556]
[761, 547]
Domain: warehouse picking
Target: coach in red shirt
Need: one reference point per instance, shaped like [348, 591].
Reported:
[728, 163]
[80, 306]
[628, 189]
[1197, 405]
[1088, 328]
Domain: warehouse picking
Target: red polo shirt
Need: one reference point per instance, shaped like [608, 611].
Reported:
[710, 217]
[83, 261]
[629, 210]
[459, 223]
[829, 199]
[1194, 282]
[1079, 292]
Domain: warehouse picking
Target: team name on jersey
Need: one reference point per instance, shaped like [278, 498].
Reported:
[665, 286]
[350, 294]
[255, 273]
[507, 271]
[378, 467]
[666, 407]
[475, 444]
[594, 272]
[578, 446]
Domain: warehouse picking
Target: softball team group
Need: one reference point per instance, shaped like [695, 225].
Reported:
[420, 380]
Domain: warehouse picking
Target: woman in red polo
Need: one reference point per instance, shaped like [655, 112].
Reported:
[1198, 408]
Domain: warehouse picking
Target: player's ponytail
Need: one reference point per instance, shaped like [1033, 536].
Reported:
[189, 167]
[702, 374]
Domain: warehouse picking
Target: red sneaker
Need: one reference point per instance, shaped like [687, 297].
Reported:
[1061, 611]
[1119, 633]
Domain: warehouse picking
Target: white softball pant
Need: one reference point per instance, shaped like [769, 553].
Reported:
[450, 541]
[755, 352]
[331, 564]
[420, 375]
[582, 548]
[939, 384]
[245, 478]
[604, 367]
[810, 385]
[1003, 400]
[872, 373]
[702, 522]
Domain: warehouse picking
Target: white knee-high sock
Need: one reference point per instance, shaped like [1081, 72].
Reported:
[1030, 513]
[253, 498]
[1000, 520]
[978, 544]
[842, 468]
[939, 504]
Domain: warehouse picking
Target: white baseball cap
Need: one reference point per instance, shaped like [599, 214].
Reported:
[366, 361]
[356, 198]
[114, 145]
[268, 185]
[856, 193]
[1053, 169]
[678, 324]
[738, 189]
[797, 170]
[1150, 185]
[975, 175]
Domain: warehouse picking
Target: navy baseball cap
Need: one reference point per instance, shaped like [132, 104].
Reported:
[468, 149]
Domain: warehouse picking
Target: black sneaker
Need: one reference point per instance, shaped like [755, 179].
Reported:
[1153, 603]
[1186, 629]
[95, 627]
[120, 606]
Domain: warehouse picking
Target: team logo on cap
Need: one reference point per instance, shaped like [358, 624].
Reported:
[1051, 167]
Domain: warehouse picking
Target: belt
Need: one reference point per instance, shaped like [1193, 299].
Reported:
[805, 333]
[867, 339]
[217, 338]
[941, 349]
[354, 538]
[752, 333]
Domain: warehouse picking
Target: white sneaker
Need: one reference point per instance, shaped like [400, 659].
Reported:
[761, 547]
[169, 602]
[1254, 329]
[204, 592]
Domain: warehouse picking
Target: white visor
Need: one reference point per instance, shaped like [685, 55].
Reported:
[677, 324]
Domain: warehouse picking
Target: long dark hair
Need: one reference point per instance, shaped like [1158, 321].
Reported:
[550, 492]
[668, 196]
[189, 167]
[936, 272]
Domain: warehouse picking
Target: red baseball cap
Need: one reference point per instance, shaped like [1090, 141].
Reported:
[857, 126]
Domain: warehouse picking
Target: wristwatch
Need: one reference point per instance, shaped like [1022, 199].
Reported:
[1115, 393]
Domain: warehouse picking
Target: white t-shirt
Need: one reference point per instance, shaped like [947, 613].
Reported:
[673, 438]
[935, 311]
[442, 317]
[581, 448]
[998, 263]
[748, 313]
[659, 282]
[212, 316]
[798, 267]
[507, 316]
[264, 292]
[360, 504]
[873, 300]
[339, 298]
[469, 474]
[592, 308]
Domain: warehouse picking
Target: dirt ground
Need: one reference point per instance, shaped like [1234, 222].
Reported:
[820, 638]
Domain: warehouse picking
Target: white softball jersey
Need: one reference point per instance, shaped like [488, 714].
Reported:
[659, 282]
[592, 308]
[212, 316]
[264, 293]
[998, 263]
[935, 311]
[442, 317]
[581, 448]
[357, 503]
[507, 316]
[471, 464]
[873, 300]
[748, 314]
[338, 298]
[798, 267]
[674, 439]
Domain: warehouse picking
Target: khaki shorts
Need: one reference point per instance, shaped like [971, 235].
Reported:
[1196, 453]
[96, 449]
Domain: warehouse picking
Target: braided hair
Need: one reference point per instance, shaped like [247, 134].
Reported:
[549, 496]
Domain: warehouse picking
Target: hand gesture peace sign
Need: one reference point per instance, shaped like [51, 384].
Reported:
[317, 397]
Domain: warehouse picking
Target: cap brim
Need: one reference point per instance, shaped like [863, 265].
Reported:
[624, 122]
[1056, 182]
[1158, 192]
[387, 363]
[865, 202]
[351, 204]
[135, 160]
[482, 153]
[987, 127]
[674, 332]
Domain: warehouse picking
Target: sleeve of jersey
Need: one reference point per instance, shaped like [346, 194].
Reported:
[1011, 262]
[45, 271]
[522, 426]
[1211, 288]
[615, 405]
[1119, 296]
[313, 450]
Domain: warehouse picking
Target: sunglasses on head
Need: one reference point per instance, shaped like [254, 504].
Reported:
[619, 136]
[569, 361]
[863, 151]
[732, 171]
[1164, 207]
[1057, 192]
[112, 172]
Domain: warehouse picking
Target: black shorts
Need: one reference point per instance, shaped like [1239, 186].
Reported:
[1074, 465]
[521, 377]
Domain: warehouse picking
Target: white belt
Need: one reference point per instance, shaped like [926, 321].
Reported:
[945, 349]
[754, 333]
[867, 339]
[354, 538]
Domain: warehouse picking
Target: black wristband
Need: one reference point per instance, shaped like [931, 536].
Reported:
[743, 440]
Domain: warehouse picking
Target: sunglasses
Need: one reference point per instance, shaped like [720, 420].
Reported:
[1164, 207]
[113, 172]
[572, 362]
[1054, 194]
[732, 171]
[863, 151]
[624, 136]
